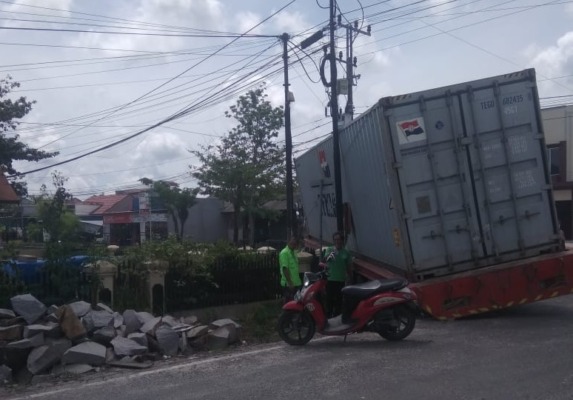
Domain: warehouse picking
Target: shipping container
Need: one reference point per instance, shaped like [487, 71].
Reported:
[441, 181]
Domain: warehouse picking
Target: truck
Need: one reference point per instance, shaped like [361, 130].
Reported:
[450, 188]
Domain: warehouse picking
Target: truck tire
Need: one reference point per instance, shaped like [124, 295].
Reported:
[405, 321]
[296, 328]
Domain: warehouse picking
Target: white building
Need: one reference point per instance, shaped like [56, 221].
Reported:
[558, 128]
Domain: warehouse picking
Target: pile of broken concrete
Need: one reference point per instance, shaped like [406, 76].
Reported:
[39, 342]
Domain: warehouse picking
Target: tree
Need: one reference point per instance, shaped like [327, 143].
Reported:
[177, 200]
[60, 223]
[246, 168]
[11, 148]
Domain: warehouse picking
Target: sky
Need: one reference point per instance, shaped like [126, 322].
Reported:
[102, 71]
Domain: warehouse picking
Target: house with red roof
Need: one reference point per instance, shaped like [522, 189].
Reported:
[7, 194]
[127, 218]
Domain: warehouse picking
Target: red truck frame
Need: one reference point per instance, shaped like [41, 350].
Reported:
[485, 289]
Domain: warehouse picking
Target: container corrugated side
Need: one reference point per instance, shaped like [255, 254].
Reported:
[426, 178]
[471, 167]
[375, 223]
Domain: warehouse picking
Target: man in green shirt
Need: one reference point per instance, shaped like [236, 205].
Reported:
[339, 262]
[288, 263]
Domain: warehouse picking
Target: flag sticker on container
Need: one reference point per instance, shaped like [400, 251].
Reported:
[323, 163]
[411, 130]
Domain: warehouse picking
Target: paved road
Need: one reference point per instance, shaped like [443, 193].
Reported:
[524, 353]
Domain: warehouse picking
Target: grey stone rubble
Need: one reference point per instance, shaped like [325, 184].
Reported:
[131, 321]
[117, 320]
[139, 338]
[90, 353]
[80, 308]
[6, 314]
[28, 343]
[127, 347]
[104, 335]
[103, 307]
[5, 375]
[28, 307]
[168, 340]
[37, 342]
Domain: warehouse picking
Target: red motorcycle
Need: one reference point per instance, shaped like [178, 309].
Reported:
[387, 307]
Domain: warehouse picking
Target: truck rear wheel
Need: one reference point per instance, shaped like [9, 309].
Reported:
[401, 326]
[296, 328]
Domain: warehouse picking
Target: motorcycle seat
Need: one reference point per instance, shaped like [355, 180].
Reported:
[367, 289]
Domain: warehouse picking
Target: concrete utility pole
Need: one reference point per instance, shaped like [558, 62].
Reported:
[351, 64]
[291, 219]
[330, 56]
[335, 118]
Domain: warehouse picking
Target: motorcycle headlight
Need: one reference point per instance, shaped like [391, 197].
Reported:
[298, 295]
[309, 278]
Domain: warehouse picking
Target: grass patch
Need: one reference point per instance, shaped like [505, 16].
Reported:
[260, 325]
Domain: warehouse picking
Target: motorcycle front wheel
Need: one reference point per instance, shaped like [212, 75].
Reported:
[296, 328]
[402, 325]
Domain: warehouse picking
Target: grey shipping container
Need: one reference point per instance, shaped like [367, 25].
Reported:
[439, 181]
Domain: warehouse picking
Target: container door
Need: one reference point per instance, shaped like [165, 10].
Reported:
[510, 173]
[435, 181]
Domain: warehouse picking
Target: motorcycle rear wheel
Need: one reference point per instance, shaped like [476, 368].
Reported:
[296, 328]
[405, 320]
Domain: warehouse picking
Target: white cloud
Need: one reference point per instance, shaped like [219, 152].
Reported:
[55, 5]
[199, 14]
[205, 14]
[104, 84]
[556, 60]
[158, 146]
[247, 20]
[57, 8]
[290, 22]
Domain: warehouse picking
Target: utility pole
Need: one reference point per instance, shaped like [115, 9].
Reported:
[351, 62]
[291, 221]
[335, 118]
[349, 109]
[330, 56]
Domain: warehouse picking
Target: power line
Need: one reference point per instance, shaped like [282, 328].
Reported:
[188, 35]
[165, 103]
[101, 60]
[177, 115]
[122, 26]
[80, 47]
[104, 139]
[105, 17]
[160, 64]
[200, 91]
[450, 30]
[93, 114]
[151, 91]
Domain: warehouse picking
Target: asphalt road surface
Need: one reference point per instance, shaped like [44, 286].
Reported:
[522, 353]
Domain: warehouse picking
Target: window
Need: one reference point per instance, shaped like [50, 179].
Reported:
[554, 154]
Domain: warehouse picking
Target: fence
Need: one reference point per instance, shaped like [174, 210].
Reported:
[235, 279]
[49, 283]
